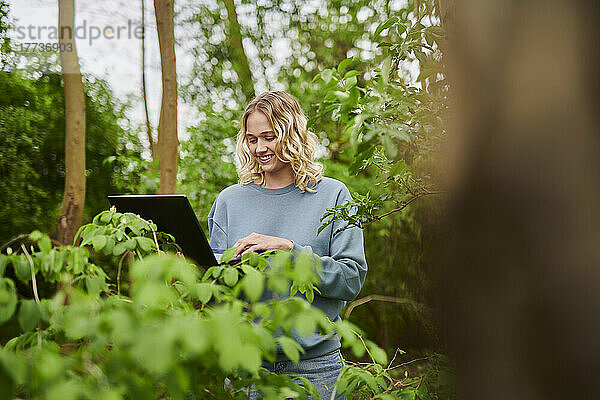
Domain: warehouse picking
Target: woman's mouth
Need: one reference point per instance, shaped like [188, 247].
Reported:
[265, 159]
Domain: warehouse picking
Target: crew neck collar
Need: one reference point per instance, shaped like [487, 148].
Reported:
[283, 190]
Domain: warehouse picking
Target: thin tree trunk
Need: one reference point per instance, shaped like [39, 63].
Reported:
[167, 126]
[144, 94]
[71, 211]
[238, 55]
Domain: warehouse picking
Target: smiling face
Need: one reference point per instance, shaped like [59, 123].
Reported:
[262, 139]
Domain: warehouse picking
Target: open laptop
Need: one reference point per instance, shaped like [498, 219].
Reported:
[172, 213]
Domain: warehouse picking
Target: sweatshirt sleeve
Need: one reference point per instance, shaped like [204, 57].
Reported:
[217, 225]
[343, 272]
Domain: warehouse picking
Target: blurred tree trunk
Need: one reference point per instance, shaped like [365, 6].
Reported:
[237, 53]
[518, 277]
[167, 126]
[144, 94]
[71, 211]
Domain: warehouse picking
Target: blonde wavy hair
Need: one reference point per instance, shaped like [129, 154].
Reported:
[294, 143]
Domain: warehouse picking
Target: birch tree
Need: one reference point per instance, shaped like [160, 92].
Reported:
[167, 126]
[73, 202]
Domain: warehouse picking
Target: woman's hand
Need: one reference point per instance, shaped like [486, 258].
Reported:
[256, 241]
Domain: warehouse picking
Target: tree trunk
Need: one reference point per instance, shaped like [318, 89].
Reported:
[144, 95]
[167, 126]
[71, 211]
[518, 277]
[237, 54]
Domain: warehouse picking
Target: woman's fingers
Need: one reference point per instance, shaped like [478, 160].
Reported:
[243, 244]
[256, 241]
[252, 248]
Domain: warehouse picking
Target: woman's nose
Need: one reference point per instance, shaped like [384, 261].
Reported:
[261, 147]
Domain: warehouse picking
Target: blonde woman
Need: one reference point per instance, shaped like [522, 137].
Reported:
[278, 204]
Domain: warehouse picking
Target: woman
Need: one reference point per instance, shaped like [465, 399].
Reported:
[278, 205]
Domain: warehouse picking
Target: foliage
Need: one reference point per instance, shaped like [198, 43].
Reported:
[393, 126]
[32, 149]
[373, 381]
[178, 332]
[4, 28]
[381, 113]
[206, 161]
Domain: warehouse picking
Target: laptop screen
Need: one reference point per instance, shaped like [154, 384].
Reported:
[172, 214]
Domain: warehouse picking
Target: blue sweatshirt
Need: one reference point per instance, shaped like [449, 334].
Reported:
[292, 214]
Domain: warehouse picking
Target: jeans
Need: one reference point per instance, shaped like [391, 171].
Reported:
[322, 371]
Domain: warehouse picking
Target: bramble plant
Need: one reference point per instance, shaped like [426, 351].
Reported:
[180, 331]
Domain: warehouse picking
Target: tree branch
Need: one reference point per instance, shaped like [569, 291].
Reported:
[377, 297]
[33, 281]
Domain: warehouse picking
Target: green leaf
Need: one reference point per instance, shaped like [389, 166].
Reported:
[35, 235]
[305, 324]
[95, 285]
[326, 75]
[204, 291]
[351, 73]
[385, 71]
[391, 149]
[385, 25]
[278, 283]
[350, 82]
[106, 217]
[252, 258]
[291, 348]
[145, 243]
[4, 260]
[249, 358]
[217, 272]
[28, 315]
[378, 354]
[131, 244]
[45, 244]
[228, 254]
[407, 394]
[310, 295]
[79, 231]
[78, 259]
[230, 276]
[110, 245]
[436, 30]
[358, 349]
[293, 289]
[341, 95]
[342, 66]
[119, 249]
[22, 268]
[400, 28]
[8, 299]
[66, 390]
[309, 387]
[116, 218]
[253, 283]
[99, 242]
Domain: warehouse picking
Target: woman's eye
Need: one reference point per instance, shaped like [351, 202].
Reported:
[270, 138]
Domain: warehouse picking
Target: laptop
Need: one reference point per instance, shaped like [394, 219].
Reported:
[173, 214]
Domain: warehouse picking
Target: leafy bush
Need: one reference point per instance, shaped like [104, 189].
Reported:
[180, 331]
